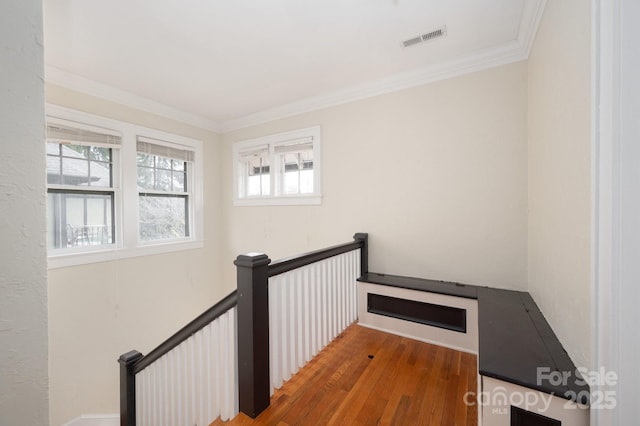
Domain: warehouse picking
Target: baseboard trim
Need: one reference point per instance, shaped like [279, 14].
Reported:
[95, 420]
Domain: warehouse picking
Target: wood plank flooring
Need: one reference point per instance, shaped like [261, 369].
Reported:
[367, 377]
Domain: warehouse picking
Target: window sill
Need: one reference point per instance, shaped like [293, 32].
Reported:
[110, 254]
[312, 200]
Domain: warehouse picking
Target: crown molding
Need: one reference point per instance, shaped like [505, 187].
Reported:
[87, 86]
[529, 23]
[505, 54]
[514, 51]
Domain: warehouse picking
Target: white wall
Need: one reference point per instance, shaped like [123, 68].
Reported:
[559, 141]
[101, 310]
[437, 175]
[23, 274]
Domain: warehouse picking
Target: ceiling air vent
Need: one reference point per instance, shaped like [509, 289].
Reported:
[439, 33]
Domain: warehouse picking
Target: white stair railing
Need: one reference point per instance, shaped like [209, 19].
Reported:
[308, 308]
[233, 356]
[190, 379]
[194, 383]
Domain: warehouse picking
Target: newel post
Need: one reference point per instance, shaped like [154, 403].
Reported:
[128, 388]
[253, 333]
[364, 251]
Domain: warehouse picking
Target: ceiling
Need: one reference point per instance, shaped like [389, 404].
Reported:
[225, 64]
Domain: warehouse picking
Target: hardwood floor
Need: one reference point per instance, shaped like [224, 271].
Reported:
[367, 377]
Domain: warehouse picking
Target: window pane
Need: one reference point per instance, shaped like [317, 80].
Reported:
[291, 183]
[163, 163]
[145, 160]
[75, 172]
[77, 219]
[161, 173]
[75, 151]
[296, 171]
[258, 185]
[100, 174]
[145, 178]
[256, 176]
[306, 182]
[178, 165]
[163, 180]
[163, 217]
[178, 181]
[100, 154]
[54, 175]
[77, 168]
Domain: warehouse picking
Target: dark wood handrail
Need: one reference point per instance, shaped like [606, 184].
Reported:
[289, 264]
[251, 299]
[187, 331]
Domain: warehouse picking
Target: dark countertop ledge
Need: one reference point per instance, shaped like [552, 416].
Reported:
[515, 340]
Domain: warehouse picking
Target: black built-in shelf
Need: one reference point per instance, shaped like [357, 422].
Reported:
[514, 337]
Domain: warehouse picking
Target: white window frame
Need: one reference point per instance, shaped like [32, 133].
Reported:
[189, 182]
[114, 189]
[127, 241]
[271, 141]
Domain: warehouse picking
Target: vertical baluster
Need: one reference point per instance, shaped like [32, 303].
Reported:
[326, 303]
[161, 390]
[306, 307]
[321, 283]
[347, 284]
[345, 288]
[192, 381]
[282, 351]
[291, 324]
[199, 378]
[350, 282]
[233, 354]
[228, 366]
[289, 308]
[206, 394]
[274, 330]
[313, 309]
[150, 387]
[333, 298]
[288, 325]
[216, 343]
[153, 393]
[284, 322]
[293, 310]
[168, 383]
[355, 288]
[140, 398]
[184, 359]
[353, 283]
[171, 357]
[318, 303]
[329, 302]
[224, 367]
[298, 283]
[337, 301]
[186, 366]
[340, 300]
[230, 369]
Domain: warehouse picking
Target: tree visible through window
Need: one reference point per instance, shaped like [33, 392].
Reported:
[163, 191]
[116, 190]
